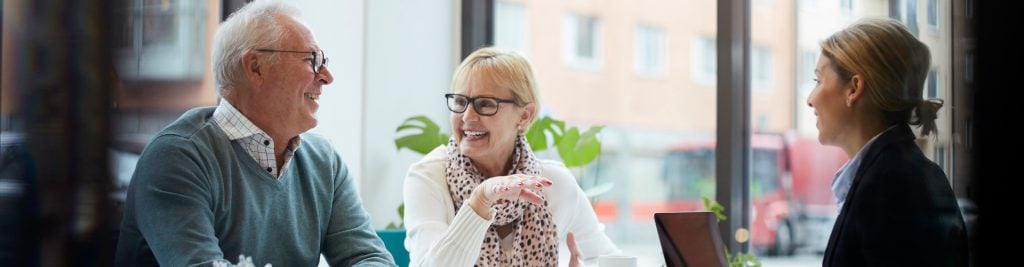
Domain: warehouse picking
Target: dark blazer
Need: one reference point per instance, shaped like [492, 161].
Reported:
[900, 211]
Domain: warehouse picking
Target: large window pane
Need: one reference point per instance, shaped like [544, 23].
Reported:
[646, 71]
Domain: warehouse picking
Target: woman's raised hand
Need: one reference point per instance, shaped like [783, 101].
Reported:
[511, 187]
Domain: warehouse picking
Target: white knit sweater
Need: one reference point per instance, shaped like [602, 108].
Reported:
[438, 236]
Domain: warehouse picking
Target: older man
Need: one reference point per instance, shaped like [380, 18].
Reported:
[243, 177]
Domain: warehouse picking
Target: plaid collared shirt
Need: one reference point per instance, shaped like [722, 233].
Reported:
[257, 143]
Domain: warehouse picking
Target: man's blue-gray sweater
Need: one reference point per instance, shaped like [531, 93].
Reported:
[196, 197]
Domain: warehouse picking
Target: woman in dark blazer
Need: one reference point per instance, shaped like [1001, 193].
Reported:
[896, 207]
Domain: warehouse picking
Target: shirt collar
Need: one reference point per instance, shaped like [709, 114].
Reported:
[843, 179]
[233, 122]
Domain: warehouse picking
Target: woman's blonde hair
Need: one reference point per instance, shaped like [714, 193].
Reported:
[894, 65]
[504, 69]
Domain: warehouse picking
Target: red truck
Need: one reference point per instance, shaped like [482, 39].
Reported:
[792, 206]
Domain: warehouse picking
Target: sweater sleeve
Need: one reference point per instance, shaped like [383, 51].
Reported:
[171, 197]
[350, 239]
[432, 239]
[582, 220]
[589, 233]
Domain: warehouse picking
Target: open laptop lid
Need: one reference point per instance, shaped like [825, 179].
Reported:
[690, 239]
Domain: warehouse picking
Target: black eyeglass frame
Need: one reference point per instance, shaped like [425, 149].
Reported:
[472, 101]
[313, 63]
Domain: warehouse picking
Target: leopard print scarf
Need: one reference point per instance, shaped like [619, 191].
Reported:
[535, 241]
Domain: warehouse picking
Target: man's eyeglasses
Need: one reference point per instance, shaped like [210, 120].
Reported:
[319, 59]
[483, 105]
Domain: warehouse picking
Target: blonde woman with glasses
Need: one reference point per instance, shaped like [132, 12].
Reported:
[485, 199]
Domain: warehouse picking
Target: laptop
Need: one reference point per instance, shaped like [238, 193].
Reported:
[690, 239]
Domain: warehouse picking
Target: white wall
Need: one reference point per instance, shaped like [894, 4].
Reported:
[409, 65]
[391, 59]
[339, 28]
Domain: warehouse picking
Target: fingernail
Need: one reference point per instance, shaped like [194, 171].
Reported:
[547, 182]
[538, 185]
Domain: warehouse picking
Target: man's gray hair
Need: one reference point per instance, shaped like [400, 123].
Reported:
[254, 26]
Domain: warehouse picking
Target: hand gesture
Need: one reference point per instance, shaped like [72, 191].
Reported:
[574, 251]
[511, 187]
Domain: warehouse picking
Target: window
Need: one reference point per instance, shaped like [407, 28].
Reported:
[905, 11]
[761, 68]
[704, 61]
[649, 50]
[598, 75]
[933, 84]
[940, 157]
[510, 26]
[808, 61]
[157, 40]
[933, 15]
[690, 173]
[582, 35]
[846, 8]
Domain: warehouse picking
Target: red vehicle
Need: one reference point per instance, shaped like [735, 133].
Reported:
[792, 202]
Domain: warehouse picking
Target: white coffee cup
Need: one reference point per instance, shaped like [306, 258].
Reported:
[616, 261]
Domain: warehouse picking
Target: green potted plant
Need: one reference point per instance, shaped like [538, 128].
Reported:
[576, 149]
[740, 259]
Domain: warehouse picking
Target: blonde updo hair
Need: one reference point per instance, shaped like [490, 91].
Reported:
[504, 69]
[894, 65]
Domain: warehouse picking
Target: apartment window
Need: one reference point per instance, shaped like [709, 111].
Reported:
[582, 35]
[846, 8]
[933, 84]
[933, 15]
[905, 11]
[649, 50]
[510, 26]
[704, 60]
[808, 61]
[761, 68]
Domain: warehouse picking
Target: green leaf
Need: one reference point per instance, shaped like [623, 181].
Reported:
[566, 147]
[579, 149]
[429, 136]
[589, 146]
[715, 208]
[744, 260]
[391, 226]
[537, 135]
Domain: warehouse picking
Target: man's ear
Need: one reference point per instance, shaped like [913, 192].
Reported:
[251, 66]
[856, 90]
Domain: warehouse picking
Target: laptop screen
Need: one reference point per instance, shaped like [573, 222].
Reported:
[690, 239]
